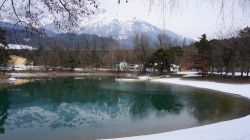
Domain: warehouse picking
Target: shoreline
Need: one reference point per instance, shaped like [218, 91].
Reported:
[62, 74]
[236, 129]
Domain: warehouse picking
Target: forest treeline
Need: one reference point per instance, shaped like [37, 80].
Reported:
[222, 56]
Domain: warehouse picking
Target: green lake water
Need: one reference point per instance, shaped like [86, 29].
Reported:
[93, 108]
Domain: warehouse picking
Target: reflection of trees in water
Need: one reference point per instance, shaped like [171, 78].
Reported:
[66, 102]
[141, 101]
[209, 106]
[68, 90]
[168, 102]
[4, 105]
[60, 90]
[142, 104]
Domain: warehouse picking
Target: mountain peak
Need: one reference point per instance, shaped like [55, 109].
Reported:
[124, 30]
[120, 29]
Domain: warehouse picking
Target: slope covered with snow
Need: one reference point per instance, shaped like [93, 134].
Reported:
[124, 30]
[120, 29]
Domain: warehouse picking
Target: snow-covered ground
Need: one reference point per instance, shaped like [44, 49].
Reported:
[144, 78]
[236, 73]
[28, 75]
[238, 129]
[239, 89]
[188, 74]
[192, 74]
[19, 47]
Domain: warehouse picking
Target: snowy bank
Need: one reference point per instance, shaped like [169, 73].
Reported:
[238, 129]
[144, 78]
[238, 89]
[52, 74]
[128, 80]
[137, 79]
[11, 80]
[188, 74]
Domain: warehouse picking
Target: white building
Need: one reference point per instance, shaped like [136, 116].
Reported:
[174, 68]
[135, 67]
[123, 66]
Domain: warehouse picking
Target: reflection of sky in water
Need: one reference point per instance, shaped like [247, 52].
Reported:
[65, 115]
[110, 108]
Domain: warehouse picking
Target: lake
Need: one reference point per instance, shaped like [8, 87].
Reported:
[100, 107]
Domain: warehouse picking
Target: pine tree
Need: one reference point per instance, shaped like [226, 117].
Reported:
[244, 37]
[159, 60]
[203, 59]
[4, 55]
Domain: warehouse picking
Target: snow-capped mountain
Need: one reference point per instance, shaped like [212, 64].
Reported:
[124, 30]
[119, 29]
[20, 38]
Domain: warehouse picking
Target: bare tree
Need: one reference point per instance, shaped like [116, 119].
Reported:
[165, 41]
[226, 9]
[42, 56]
[141, 48]
[222, 5]
[65, 14]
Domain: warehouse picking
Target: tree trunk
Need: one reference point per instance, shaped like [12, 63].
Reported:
[212, 71]
[221, 72]
[233, 73]
[202, 73]
[242, 72]
[227, 72]
[248, 69]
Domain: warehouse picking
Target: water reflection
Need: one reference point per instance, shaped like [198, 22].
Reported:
[91, 103]
[216, 106]
[4, 105]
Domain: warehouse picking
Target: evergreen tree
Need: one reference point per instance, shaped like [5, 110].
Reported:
[4, 55]
[203, 58]
[174, 54]
[244, 50]
[159, 60]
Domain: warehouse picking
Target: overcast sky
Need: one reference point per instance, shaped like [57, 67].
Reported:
[192, 19]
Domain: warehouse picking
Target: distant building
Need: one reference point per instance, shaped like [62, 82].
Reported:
[123, 66]
[18, 63]
[174, 68]
[135, 67]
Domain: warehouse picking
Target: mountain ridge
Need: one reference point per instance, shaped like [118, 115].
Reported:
[124, 30]
[121, 30]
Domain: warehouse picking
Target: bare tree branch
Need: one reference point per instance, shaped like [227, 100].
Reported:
[67, 14]
[2, 4]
